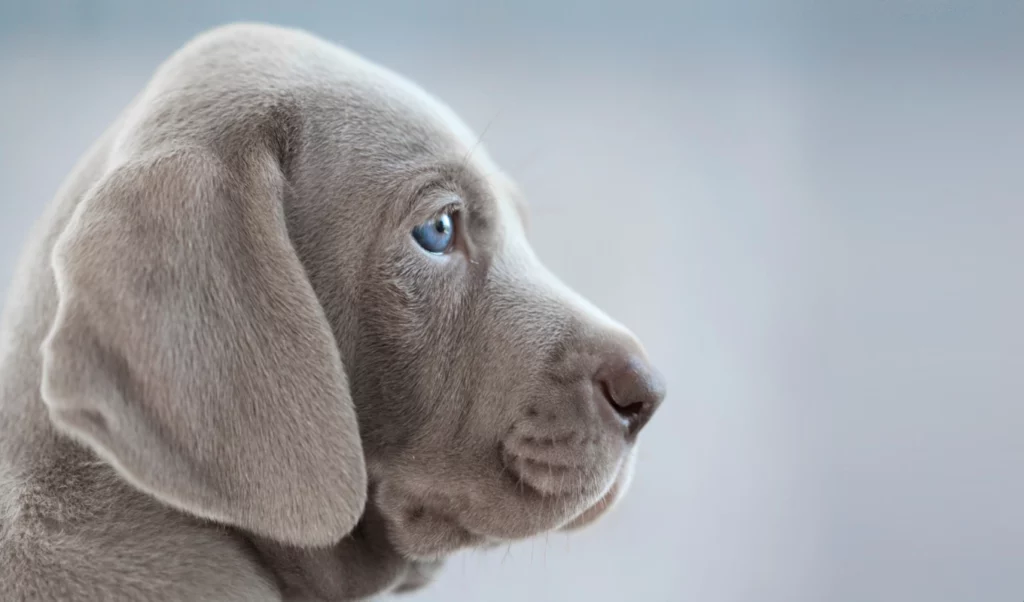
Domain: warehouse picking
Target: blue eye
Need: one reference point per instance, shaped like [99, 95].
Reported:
[435, 236]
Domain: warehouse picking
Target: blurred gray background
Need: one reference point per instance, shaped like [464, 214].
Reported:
[811, 212]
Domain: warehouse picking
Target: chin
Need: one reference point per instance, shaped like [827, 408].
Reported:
[427, 521]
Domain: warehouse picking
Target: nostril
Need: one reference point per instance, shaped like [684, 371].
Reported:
[632, 389]
[626, 410]
[633, 410]
[634, 414]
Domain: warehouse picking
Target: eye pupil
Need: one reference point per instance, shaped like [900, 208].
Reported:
[435, 236]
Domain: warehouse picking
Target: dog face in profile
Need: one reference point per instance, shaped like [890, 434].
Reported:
[494, 403]
[296, 285]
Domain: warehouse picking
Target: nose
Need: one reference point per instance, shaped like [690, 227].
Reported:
[631, 390]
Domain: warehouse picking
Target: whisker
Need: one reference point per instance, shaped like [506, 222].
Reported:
[480, 138]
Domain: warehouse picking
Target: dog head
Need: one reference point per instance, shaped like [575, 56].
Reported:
[302, 283]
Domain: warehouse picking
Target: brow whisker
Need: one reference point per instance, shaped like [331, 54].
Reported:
[480, 138]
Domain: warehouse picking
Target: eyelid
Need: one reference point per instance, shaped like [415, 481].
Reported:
[430, 197]
[460, 224]
[453, 207]
[457, 210]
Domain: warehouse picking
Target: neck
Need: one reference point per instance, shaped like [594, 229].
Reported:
[361, 565]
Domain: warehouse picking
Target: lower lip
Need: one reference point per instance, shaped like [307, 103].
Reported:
[594, 512]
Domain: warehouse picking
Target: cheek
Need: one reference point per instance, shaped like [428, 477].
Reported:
[408, 370]
[513, 337]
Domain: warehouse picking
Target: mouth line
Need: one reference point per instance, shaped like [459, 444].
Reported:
[563, 450]
[578, 490]
[536, 463]
[564, 440]
[544, 478]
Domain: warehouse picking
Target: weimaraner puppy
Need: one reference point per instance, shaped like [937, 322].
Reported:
[280, 336]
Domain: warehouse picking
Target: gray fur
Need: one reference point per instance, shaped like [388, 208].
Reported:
[228, 373]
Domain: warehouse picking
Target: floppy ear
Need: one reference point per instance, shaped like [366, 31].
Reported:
[190, 352]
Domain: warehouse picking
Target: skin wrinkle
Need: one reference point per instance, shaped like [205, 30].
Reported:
[253, 385]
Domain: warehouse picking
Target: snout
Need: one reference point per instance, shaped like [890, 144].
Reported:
[574, 437]
[602, 364]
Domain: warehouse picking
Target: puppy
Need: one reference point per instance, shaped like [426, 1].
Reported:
[281, 336]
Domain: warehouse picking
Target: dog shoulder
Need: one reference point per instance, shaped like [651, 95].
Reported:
[80, 534]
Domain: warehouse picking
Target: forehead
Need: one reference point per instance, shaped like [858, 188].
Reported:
[429, 134]
[391, 124]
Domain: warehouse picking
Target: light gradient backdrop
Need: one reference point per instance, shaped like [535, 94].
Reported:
[811, 212]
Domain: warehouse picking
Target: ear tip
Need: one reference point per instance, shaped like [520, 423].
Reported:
[321, 534]
[318, 518]
[351, 504]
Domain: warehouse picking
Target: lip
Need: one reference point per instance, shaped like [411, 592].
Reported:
[592, 514]
[573, 466]
[543, 477]
[615, 493]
